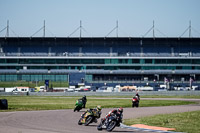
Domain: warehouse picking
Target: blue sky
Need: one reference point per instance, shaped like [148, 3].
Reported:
[135, 17]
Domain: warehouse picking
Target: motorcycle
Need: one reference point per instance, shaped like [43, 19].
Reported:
[135, 102]
[78, 105]
[87, 118]
[110, 123]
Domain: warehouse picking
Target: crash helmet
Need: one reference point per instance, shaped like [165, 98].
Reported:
[99, 108]
[120, 110]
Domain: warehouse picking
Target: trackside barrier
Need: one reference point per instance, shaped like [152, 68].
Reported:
[142, 93]
[147, 130]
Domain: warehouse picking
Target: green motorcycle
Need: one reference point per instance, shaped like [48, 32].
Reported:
[78, 105]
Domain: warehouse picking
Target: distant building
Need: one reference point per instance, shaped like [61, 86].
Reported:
[98, 60]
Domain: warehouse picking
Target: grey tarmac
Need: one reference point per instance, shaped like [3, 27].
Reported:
[66, 121]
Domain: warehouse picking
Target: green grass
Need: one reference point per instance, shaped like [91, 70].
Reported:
[151, 103]
[185, 96]
[183, 122]
[153, 96]
[26, 103]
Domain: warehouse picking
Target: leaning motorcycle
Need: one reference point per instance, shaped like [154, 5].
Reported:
[110, 123]
[78, 105]
[87, 118]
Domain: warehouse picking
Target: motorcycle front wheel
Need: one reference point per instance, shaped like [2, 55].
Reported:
[74, 109]
[99, 127]
[79, 122]
[88, 120]
[111, 126]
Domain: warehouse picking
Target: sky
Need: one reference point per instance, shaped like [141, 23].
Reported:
[99, 17]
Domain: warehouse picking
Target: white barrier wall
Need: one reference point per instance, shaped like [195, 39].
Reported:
[166, 93]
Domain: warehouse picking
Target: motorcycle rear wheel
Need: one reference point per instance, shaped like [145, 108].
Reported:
[79, 122]
[133, 104]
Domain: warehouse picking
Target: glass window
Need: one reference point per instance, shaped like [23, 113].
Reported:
[123, 61]
[98, 61]
[74, 61]
[88, 77]
[36, 61]
[114, 61]
[172, 61]
[12, 60]
[187, 67]
[33, 78]
[11, 77]
[86, 61]
[26, 77]
[2, 78]
[178, 67]
[62, 61]
[2, 60]
[129, 61]
[135, 61]
[23, 61]
[148, 61]
[46, 77]
[107, 61]
[160, 61]
[195, 61]
[50, 61]
[58, 77]
[184, 61]
[197, 67]
[142, 61]
[39, 78]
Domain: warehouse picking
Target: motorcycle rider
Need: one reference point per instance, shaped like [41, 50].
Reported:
[84, 99]
[96, 111]
[117, 112]
[136, 100]
[137, 96]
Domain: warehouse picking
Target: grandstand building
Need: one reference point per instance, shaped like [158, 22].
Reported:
[99, 61]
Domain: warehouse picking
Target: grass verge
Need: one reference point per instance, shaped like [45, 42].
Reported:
[26, 103]
[183, 122]
[153, 96]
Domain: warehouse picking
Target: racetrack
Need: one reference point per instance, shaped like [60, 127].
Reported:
[65, 121]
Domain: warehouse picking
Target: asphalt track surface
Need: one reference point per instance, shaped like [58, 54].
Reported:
[65, 121]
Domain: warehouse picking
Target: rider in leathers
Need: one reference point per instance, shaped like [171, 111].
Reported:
[117, 112]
